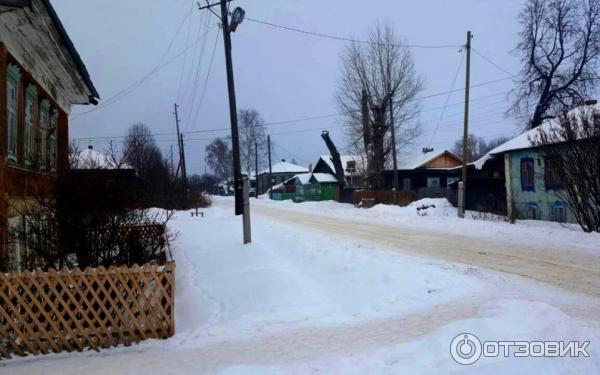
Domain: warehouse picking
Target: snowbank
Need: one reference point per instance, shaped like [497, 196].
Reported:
[443, 218]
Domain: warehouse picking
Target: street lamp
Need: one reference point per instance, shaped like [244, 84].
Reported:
[237, 17]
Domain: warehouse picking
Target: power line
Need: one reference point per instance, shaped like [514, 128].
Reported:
[187, 41]
[310, 118]
[494, 64]
[462, 58]
[205, 82]
[345, 39]
[194, 93]
[124, 92]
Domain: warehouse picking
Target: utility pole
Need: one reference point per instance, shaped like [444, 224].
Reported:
[255, 169]
[395, 162]
[235, 143]
[270, 184]
[364, 106]
[463, 192]
[175, 112]
[237, 17]
[183, 169]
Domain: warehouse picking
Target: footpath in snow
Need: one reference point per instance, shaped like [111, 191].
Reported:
[306, 301]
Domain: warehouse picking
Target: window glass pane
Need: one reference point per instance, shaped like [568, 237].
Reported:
[12, 120]
[433, 182]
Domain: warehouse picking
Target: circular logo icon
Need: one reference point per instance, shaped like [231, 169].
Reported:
[465, 349]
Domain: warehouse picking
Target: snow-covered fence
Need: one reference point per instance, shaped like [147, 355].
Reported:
[54, 311]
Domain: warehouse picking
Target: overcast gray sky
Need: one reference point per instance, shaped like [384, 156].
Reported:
[284, 75]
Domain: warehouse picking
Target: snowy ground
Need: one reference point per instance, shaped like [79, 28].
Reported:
[301, 299]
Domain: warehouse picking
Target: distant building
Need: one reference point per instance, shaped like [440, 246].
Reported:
[354, 168]
[281, 172]
[422, 171]
[41, 78]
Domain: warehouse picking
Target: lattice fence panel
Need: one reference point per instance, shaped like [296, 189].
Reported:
[54, 311]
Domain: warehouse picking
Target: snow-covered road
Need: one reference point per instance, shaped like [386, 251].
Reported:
[556, 262]
[316, 295]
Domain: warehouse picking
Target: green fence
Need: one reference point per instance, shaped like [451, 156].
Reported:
[328, 192]
[308, 193]
[283, 196]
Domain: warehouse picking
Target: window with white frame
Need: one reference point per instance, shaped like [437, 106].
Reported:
[29, 145]
[44, 127]
[52, 139]
[12, 95]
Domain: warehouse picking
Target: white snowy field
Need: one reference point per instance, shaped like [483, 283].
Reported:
[303, 300]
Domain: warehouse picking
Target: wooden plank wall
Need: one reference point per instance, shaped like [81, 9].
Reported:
[67, 310]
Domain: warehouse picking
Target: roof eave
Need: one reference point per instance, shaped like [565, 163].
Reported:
[83, 72]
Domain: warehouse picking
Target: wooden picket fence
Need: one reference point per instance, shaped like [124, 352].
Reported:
[54, 311]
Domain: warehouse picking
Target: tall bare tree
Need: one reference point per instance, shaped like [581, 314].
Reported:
[252, 132]
[383, 68]
[219, 158]
[559, 49]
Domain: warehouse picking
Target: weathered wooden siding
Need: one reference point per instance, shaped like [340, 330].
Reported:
[34, 42]
[18, 182]
[445, 160]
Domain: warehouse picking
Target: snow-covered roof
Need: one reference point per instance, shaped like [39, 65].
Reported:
[324, 178]
[529, 138]
[285, 167]
[414, 161]
[305, 178]
[92, 159]
[357, 159]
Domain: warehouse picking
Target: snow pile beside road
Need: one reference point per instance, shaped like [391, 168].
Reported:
[443, 218]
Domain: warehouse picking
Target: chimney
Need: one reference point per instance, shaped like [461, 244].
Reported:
[283, 160]
[591, 102]
[310, 167]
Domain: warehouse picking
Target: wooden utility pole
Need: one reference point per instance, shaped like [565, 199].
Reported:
[270, 184]
[255, 169]
[183, 167]
[463, 207]
[395, 162]
[235, 143]
[366, 133]
[237, 16]
[178, 140]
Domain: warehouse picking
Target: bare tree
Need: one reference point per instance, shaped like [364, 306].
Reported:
[478, 146]
[142, 153]
[252, 132]
[383, 68]
[219, 158]
[572, 162]
[559, 49]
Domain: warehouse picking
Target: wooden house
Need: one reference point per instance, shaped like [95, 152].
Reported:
[41, 78]
[419, 172]
[354, 168]
[307, 187]
[520, 173]
[280, 172]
